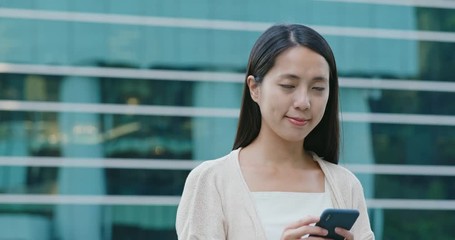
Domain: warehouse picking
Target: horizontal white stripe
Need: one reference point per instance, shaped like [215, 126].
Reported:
[411, 204]
[417, 119]
[415, 3]
[396, 169]
[174, 201]
[117, 109]
[133, 20]
[219, 24]
[391, 118]
[387, 33]
[150, 164]
[89, 200]
[121, 73]
[172, 164]
[394, 84]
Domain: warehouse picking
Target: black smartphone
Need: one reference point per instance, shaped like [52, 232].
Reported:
[332, 218]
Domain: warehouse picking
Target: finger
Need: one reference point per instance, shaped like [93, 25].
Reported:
[305, 231]
[315, 238]
[312, 237]
[302, 222]
[345, 233]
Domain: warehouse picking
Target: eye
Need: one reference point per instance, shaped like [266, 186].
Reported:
[287, 86]
[320, 89]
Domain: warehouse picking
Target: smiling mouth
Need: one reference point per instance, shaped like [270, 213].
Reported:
[298, 121]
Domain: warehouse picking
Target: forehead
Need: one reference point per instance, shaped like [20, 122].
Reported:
[301, 61]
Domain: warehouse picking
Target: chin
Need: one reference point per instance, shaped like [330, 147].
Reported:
[295, 136]
[293, 139]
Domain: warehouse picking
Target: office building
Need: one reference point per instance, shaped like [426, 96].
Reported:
[105, 107]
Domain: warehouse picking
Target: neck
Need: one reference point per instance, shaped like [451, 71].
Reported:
[278, 152]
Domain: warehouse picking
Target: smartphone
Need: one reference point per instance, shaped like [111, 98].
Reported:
[332, 218]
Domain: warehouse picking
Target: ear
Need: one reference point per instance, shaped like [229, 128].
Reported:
[254, 87]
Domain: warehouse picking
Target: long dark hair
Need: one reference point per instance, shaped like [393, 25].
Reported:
[324, 139]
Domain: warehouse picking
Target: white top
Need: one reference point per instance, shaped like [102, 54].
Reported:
[276, 210]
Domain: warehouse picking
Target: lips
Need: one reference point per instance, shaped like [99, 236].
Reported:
[298, 121]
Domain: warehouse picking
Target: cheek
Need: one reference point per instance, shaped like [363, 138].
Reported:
[276, 102]
[265, 94]
[272, 104]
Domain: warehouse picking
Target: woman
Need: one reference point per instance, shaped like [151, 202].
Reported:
[282, 172]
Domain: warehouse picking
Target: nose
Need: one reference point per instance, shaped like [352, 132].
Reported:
[302, 101]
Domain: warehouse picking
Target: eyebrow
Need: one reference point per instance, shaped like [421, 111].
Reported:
[320, 79]
[295, 77]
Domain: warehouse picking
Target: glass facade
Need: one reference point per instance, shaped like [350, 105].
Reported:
[105, 107]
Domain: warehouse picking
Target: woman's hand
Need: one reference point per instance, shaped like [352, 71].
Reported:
[305, 227]
[345, 233]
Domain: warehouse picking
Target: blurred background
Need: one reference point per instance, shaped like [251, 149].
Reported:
[105, 107]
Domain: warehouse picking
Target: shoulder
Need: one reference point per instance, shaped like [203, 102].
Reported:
[341, 173]
[339, 170]
[210, 168]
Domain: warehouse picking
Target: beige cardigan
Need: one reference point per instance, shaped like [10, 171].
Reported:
[217, 204]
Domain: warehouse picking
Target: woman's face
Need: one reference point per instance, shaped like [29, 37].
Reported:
[293, 94]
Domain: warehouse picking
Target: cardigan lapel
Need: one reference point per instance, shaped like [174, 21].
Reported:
[333, 185]
[245, 193]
